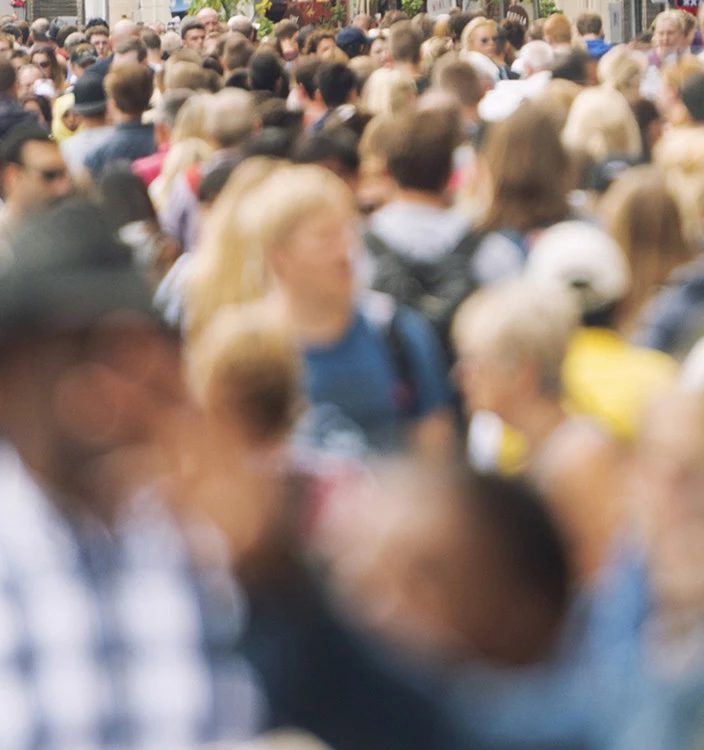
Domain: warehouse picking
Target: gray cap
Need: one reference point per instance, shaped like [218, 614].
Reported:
[68, 269]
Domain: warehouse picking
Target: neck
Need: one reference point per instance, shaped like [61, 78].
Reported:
[537, 419]
[93, 122]
[408, 67]
[121, 118]
[317, 322]
[421, 197]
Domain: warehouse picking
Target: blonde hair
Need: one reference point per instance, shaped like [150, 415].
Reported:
[388, 91]
[182, 154]
[622, 69]
[226, 270]
[642, 215]
[600, 124]
[523, 321]
[556, 100]
[466, 40]
[680, 153]
[558, 29]
[432, 50]
[191, 118]
[245, 366]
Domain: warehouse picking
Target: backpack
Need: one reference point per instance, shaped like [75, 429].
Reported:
[433, 288]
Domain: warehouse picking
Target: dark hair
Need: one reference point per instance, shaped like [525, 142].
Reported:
[573, 67]
[14, 142]
[460, 79]
[189, 24]
[274, 142]
[170, 105]
[405, 43]
[97, 22]
[43, 103]
[457, 23]
[214, 180]
[266, 73]
[285, 29]
[130, 86]
[336, 82]
[63, 34]
[392, 17]
[8, 76]
[589, 23]
[273, 113]
[23, 26]
[151, 39]
[237, 51]
[515, 33]
[132, 45]
[96, 30]
[239, 79]
[646, 113]
[306, 72]
[314, 39]
[303, 35]
[57, 74]
[11, 28]
[124, 197]
[338, 146]
[420, 151]
[213, 64]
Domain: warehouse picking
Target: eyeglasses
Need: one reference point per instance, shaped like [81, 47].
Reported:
[46, 64]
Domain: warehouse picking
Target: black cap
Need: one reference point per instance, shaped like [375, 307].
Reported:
[67, 270]
[89, 95]
[693, 97]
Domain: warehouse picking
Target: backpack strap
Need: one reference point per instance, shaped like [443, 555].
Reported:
[383, 313]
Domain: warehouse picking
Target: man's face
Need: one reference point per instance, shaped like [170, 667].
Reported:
[194, 39]
[209, 18]
[668, 37]
[380, 52]
[43, 62]
[5, 49]
[325, 46]
[101, 44]
[26, 80]
[40, 180]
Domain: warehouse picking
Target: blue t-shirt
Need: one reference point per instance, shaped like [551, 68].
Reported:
[360, 376]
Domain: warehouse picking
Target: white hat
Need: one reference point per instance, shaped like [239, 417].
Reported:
[582, 257]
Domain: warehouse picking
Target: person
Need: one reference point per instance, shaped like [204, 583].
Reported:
[352, 41]
[591, 30]
[7, 45]
[668, 39]
[210, 19]
[379, 51]
[246, 378]
[44, 58]
[129, 89]
[122, 30]
[460, 80]
[306, 93]
[308, 252]
[404, 49]
[34, 176]
[674, 77]
[193, 35]
[421, 251]
[267, 73]
[244, 26]
[388, 91]
[557, 32]
[621, 69]
[604, 375]
[90, 105]
[337, 86]
[113, 566]
[237, 52]
[512, 340]
[99, 37]
[149, 167]
[27, 77]
[11, 111]
[130, 51]
[286, 35]
[65, 123]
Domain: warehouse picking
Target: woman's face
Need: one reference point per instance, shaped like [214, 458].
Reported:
[43, 62]
[379, 52]
[483, 41]
[325, 46]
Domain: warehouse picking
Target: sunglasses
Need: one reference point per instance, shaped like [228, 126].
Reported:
[45, 64]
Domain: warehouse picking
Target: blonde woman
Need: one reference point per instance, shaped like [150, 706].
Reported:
[311, 248]
[673, 79]
[182, 154]
[480, 35]
[622, 69]
[191, 119]
[388, 91]
[601, 124]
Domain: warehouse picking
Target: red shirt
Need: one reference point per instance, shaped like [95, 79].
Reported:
[148, 168]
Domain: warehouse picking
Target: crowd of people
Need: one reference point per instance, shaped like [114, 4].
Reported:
[352, 384]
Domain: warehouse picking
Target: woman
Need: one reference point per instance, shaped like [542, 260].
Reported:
[44, 57]
[521, 187]
[480, 35]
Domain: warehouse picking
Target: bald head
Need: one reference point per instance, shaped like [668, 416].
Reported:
[210, 19]
[122, 30]
[241, 24]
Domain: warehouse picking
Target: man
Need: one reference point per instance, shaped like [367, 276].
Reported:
[105, 642]
[591, 30]
[124, 29]
[210, 19]
[130, 51]
[558, 33]
[286, 34]
[460, 80]
[7, 45]
[352, 41]
[149, 167]
[27, 76]
[99, 37]
[11, 111]
[363, 21]
[236, 54]
[193, 35]
[82, 58]
[307, 93]
[39, 32]
[421, 249]
[33, 178]
[404, 48]
[152, 42]
[244, 26]
[90, 105]
[129, 89]
[338, 87]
